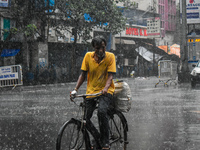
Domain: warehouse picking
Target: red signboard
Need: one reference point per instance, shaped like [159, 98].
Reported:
[136, 31]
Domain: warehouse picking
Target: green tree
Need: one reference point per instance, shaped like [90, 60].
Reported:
[72, 13]
[26, 14]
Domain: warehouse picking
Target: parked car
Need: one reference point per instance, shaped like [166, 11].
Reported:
[195, 74]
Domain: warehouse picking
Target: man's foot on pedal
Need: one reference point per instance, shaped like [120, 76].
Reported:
[106, 147]
[95, 145]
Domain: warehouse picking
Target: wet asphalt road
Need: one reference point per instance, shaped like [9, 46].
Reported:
[161, 118]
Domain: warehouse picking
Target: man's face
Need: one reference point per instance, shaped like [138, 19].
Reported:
[100, 50]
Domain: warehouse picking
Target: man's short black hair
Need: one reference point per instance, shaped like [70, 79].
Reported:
[97, 40]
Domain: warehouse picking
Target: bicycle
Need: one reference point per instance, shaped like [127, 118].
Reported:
[73, 135]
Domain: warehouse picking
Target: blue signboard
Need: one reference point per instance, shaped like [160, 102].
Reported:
[88, 18]
[49, 3]
[72, 39]
[192, 15]
[40, 5]
[9, 52]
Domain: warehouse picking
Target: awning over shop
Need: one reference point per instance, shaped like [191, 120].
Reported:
[9, 52]
[147, 55]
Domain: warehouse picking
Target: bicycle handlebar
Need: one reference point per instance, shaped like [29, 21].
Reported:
[85, 95]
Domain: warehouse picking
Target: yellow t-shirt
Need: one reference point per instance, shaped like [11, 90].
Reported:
[98, 73]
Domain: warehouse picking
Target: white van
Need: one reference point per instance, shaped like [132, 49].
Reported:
[195, 74]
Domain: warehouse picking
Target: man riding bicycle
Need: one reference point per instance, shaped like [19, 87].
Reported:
[99, 66]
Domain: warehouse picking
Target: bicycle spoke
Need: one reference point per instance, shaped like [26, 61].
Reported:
[72, 137]
[117, 134]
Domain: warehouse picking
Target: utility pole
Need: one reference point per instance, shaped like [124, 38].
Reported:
[184, 50]
[154, 44]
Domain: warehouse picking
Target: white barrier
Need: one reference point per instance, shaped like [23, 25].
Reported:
[11, 76]
[167, 72]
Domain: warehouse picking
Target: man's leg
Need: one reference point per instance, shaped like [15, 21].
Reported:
[90, 107]
[103, 117]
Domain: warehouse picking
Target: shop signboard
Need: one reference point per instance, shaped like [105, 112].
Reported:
[152, 30]
[134, 31]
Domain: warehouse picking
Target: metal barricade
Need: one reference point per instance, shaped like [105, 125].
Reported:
[167, 71]
[11, 76]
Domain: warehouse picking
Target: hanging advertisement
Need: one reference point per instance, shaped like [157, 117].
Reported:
[192, 11]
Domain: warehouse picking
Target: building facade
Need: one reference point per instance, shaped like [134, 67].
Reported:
[142, 27]
[167, 11]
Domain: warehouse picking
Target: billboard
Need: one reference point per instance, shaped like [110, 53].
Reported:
[192, 11]
[153, 27]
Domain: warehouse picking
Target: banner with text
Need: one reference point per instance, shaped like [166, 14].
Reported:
[6, 73]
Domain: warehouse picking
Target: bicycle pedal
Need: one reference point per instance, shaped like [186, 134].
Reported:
[114, 136]
[126, 142]
[94, 145]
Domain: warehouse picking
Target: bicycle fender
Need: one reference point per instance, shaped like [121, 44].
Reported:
[123, 118]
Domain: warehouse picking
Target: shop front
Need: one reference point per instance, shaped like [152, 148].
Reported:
[128, 59]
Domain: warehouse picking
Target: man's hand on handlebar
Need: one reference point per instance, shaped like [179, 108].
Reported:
[104, 91]
[73, 94]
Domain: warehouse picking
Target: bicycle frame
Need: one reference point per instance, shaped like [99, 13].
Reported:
[83, 125]
[84, 122]
[125, 125]
[84, 128]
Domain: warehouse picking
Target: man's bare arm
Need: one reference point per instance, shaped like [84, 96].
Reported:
[81, 79]
[108, 83]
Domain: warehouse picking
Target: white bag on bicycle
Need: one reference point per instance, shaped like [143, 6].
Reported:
[122, 96]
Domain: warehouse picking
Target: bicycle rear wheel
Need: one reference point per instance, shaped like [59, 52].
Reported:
[118, 131]
[71, 136]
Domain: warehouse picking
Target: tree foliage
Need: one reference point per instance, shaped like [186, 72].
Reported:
[28, 31]
[85, 15]
[24, 14]
[81, 15]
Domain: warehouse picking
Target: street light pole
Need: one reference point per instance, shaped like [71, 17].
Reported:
[154, 47]
[184, 49]
[154, 44]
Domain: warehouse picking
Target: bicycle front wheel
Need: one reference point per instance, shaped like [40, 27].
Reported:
[71, 136]
[118, 131]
